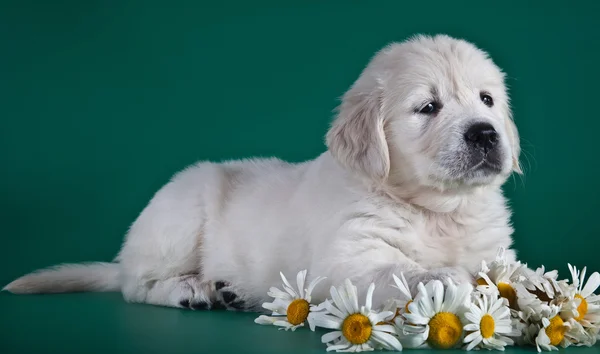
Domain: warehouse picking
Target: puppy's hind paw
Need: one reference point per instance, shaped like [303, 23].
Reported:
[229, 298]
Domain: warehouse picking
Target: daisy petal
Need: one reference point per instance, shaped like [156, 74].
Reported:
[438, 296]
[496, 342]
[385, 328]
[278, 294]
[592, 284]
[340, 347]
[331, 336]
[287, 286]
[369, 299]
[312, 286]
[416, 319]
[352, 297]
[495, 305]
[300, 278]
[327, 321]
[386, 340]
[472, 318]
[582, 278]
[381, 316]
[471, 327]
[471, 337]
[265, 320]
[503, 329]
[402, 285]
[285, 324]
[275, 308]
[474, 343]
[502, 312]
[339, 303]
[424, 302]
[413, 340]
[334, 310]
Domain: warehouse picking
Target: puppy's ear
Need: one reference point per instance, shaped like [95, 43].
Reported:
[513, 137]
[357, 139]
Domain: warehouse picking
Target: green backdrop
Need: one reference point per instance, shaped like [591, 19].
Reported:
[102, 101]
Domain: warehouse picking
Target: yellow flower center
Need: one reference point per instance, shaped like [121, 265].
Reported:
[481, 281]
[582, 308]
[487, 326]
[297, 311]
[556, 330]
[357, 328]
[508, 292]
[445, 330]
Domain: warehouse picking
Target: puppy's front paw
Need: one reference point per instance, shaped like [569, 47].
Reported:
[458, 275]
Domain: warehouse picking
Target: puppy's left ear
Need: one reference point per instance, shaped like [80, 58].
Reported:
[357, 139]
[514, 139]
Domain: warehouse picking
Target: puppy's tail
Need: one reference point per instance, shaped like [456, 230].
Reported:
[69, 278]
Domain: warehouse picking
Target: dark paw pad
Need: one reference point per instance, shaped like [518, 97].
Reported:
[221, 284]
[185, 303]
[228, 296]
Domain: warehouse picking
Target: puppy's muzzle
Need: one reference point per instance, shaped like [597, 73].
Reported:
[482, 136]
[482, 140]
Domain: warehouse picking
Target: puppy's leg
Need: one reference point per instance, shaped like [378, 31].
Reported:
[414, 274]
[458, 275]
[187, 291]
[161, 259]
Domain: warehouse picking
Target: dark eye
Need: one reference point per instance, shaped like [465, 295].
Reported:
[486, 99]
[429, 108]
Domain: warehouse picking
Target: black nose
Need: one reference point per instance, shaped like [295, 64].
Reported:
[482, 136]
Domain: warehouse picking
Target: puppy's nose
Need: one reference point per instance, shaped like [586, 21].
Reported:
[482, 136]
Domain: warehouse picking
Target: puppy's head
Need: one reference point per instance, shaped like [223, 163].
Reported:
[432, 111]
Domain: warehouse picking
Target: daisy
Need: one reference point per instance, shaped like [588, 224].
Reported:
[552, 331]
[290, 307]
[530, 307]
[541, 283]
[585, 307]
[399, 305]
[356, 328]
[489, 322]
[436, 316]
[501, 276]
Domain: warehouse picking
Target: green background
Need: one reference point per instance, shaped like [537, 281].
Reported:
[102, 101]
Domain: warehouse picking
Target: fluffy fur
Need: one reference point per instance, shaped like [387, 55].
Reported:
[398, 190]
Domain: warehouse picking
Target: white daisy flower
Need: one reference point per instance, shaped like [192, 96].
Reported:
[501, 276]
[399, 305]
[529, 305]
[585, 307]
[356, 328]
[541, 283]
[290, 307]
[436, 316]
[553, 330]
[489, 323]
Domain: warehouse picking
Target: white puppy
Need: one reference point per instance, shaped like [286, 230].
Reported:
[410, 183]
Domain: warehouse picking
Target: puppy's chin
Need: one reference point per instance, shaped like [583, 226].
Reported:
[476, 174]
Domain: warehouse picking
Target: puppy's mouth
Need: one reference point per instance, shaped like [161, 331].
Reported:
[486, 165]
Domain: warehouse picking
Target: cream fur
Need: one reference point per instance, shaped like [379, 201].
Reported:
[391, 194]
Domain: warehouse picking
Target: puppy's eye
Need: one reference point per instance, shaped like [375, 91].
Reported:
[430, 108]
[486, 99]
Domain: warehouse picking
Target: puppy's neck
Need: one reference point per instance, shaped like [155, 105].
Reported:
[429, 198]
